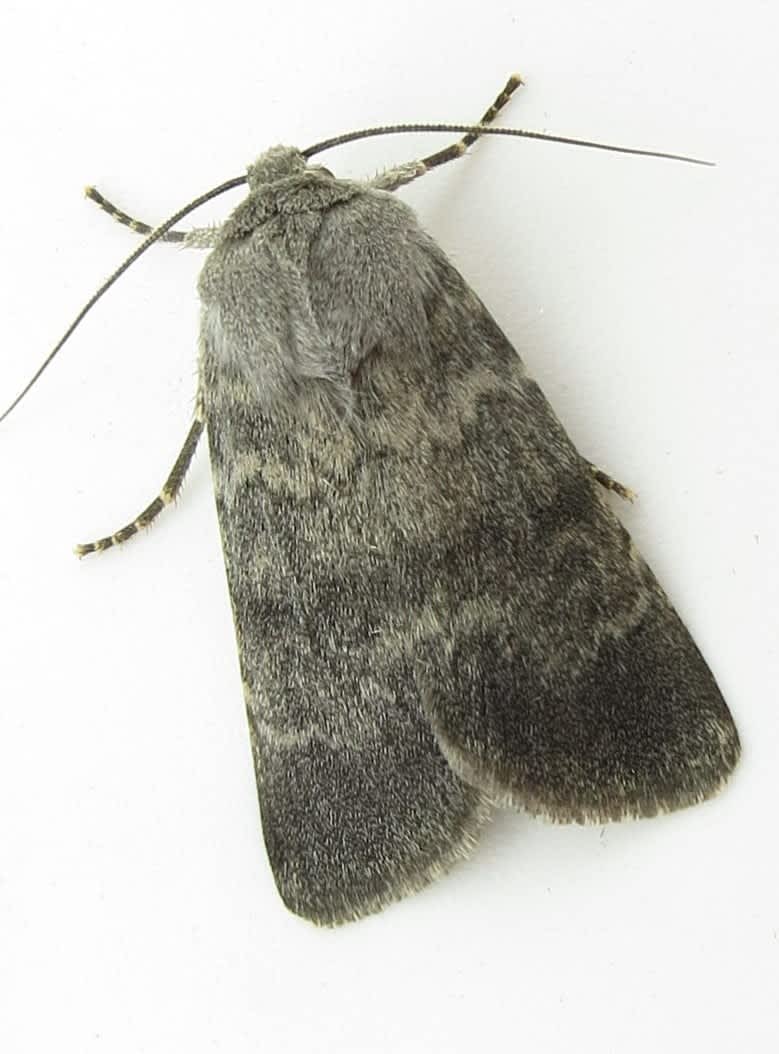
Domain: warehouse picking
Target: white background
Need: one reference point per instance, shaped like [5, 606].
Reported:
[137, 909]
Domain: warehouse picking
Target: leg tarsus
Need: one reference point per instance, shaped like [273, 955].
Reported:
[394, 178]
[168, 494]
[198, 237]
[612, 484]
[457, 149]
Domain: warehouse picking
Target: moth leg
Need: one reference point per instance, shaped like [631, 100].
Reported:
[455, 150]
[168, 494]
[398, 177]
[198, 237]
[612, 484]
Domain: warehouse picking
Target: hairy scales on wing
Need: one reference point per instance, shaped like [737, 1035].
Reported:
[434, 606]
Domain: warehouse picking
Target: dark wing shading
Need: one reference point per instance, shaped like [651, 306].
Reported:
[560, 680]
[553, 669]
[434, 607]
[359, 806]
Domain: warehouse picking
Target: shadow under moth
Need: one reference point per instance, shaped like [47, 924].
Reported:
[436, 610]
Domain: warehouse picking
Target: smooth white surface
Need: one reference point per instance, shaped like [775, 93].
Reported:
[137, 909]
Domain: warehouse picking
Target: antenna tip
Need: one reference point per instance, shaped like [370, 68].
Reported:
[515, 80]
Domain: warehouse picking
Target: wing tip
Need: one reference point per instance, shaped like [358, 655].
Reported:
[403, 882]
[702, 777]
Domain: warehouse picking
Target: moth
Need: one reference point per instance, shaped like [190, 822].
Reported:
[437, 611]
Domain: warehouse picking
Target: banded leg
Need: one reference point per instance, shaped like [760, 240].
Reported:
[169, 492]
[451, 153]
[398, 177]
[611, 484]
[197, 238]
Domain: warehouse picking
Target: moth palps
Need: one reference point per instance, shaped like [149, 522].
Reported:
[437, 611]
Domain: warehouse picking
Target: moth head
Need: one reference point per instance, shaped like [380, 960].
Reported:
[280, 162]
[287, 164]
